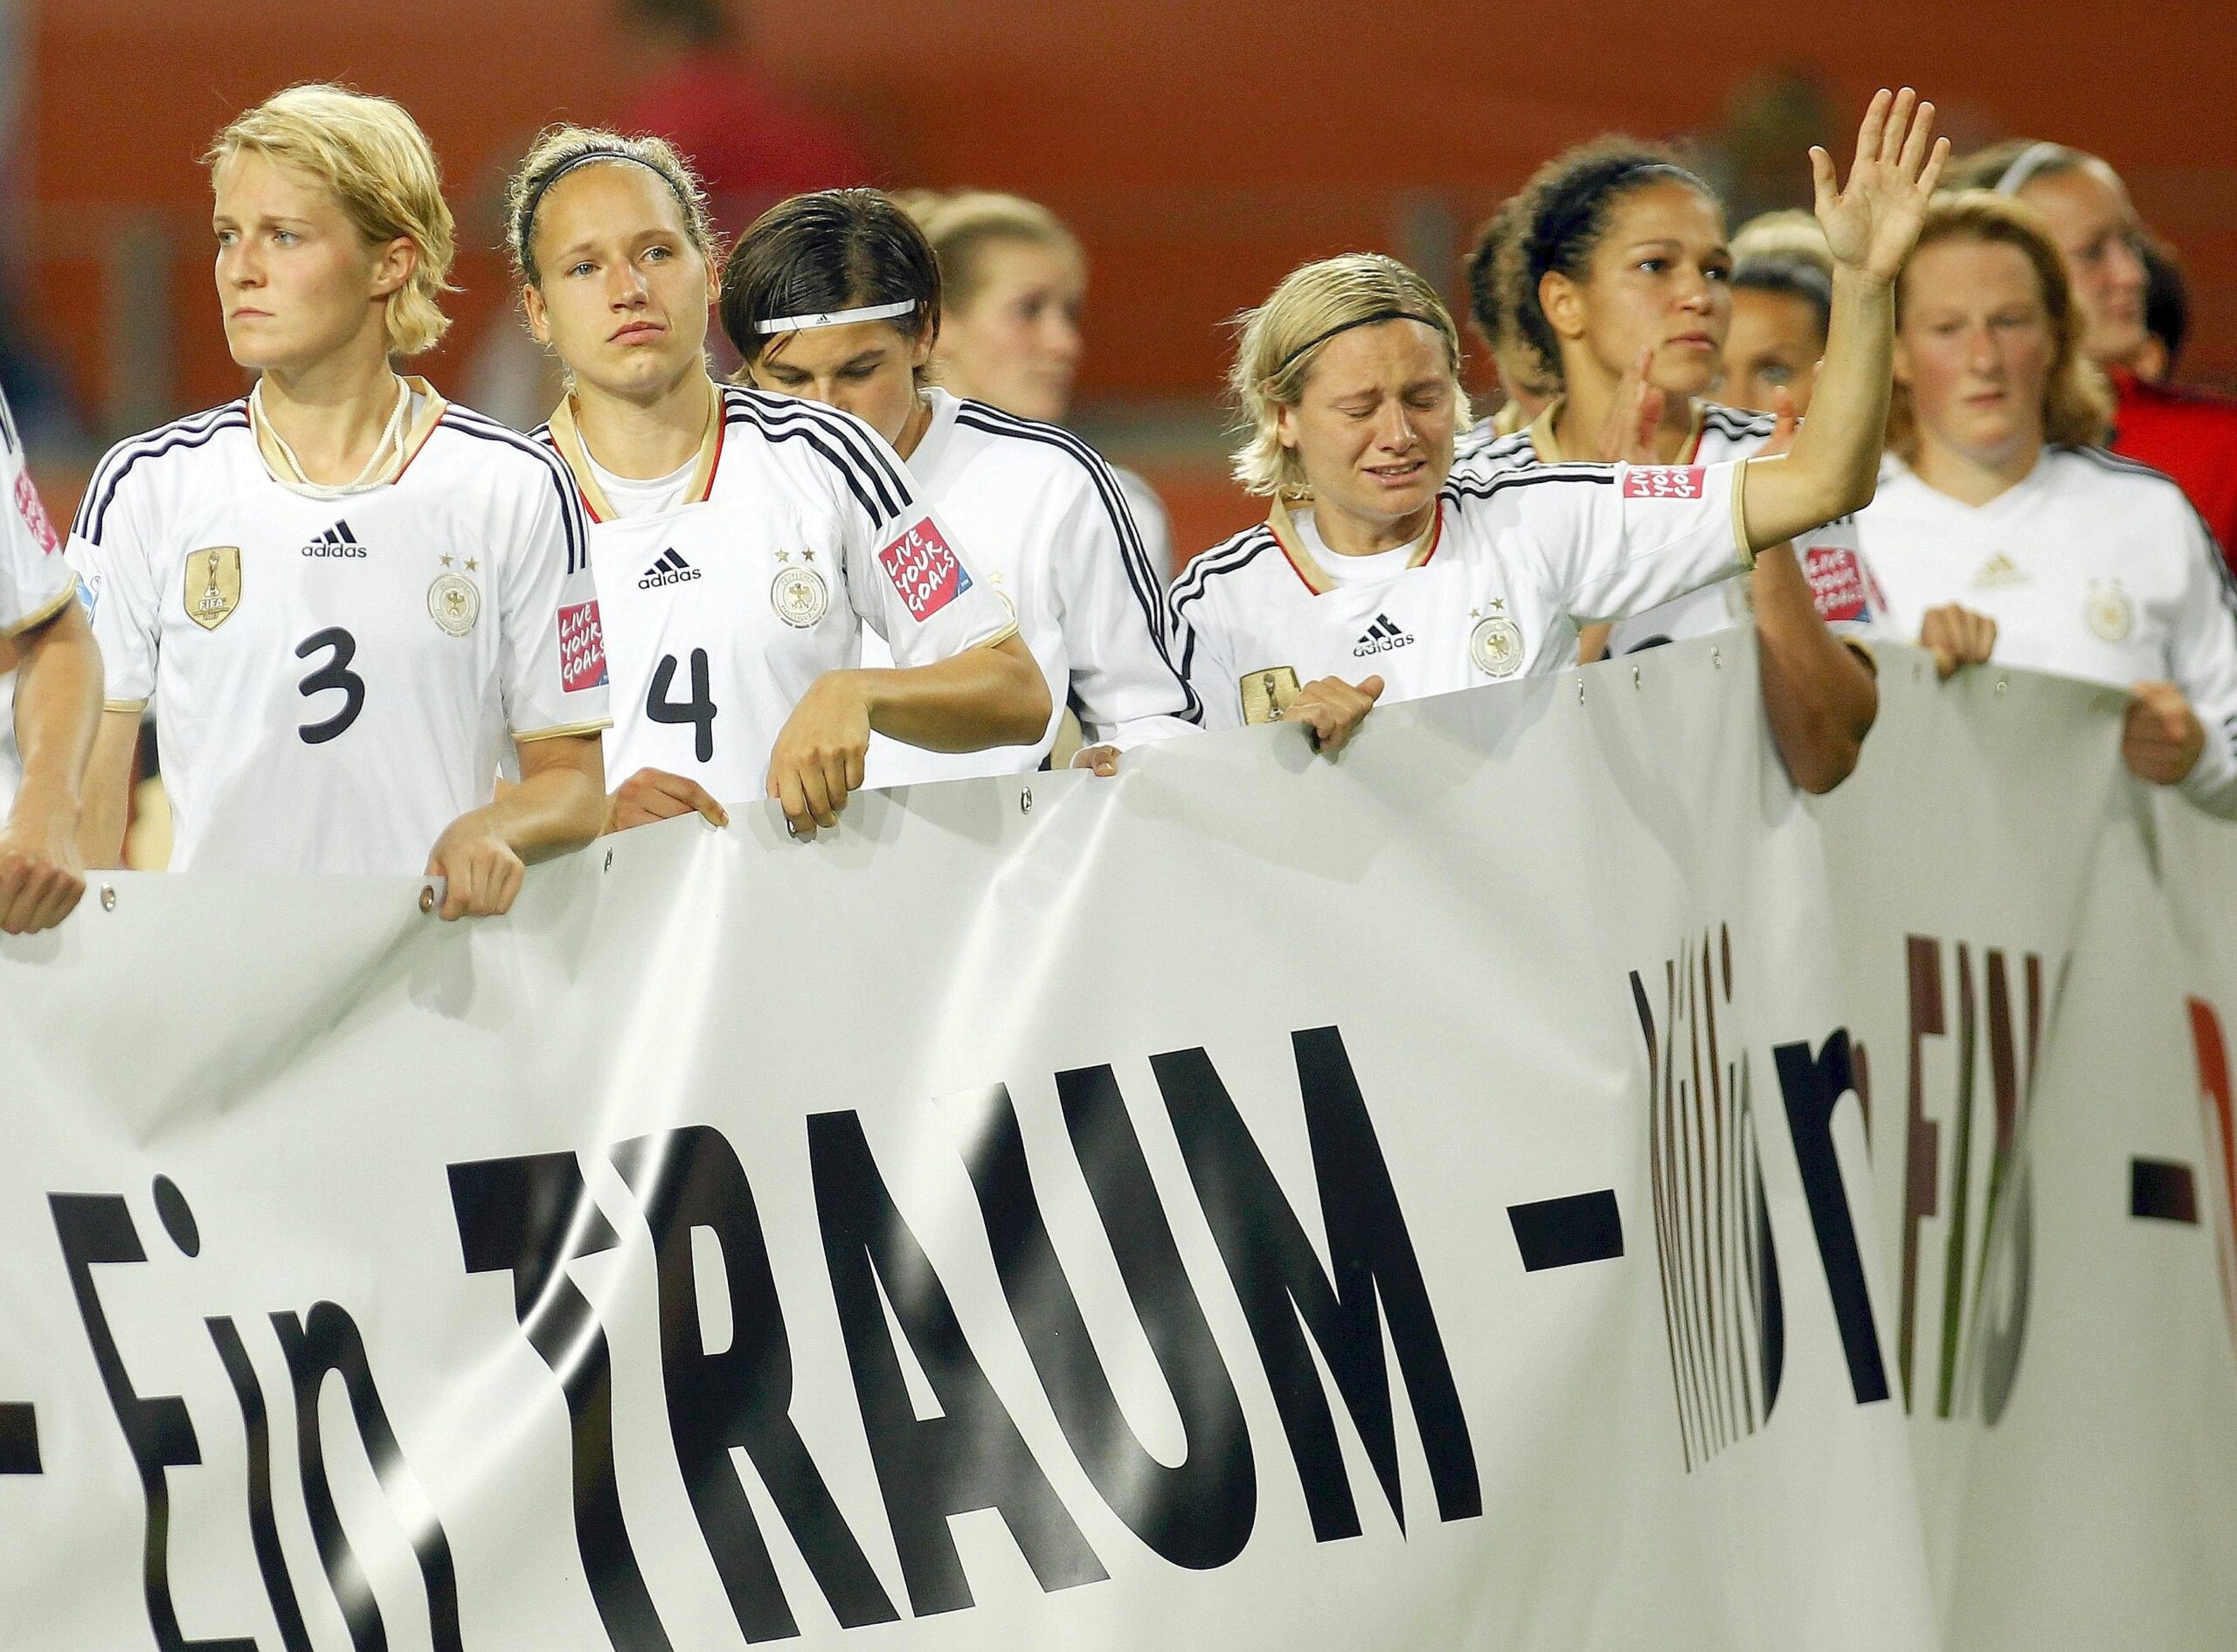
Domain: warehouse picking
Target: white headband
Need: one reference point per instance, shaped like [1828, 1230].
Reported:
[834, 318]
[2025, 164]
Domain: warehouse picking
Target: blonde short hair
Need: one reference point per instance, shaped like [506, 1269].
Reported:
[961, 224]
[1787, 233]
[379, 165]
[2077, 401]
[1282, 338]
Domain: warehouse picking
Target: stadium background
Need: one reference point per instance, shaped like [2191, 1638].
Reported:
[1198, 149]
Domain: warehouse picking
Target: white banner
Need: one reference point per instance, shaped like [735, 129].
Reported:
[1418, 1200]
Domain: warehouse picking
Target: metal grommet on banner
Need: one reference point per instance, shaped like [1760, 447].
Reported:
[1716, 658]
[108, 897]
[609, 861]
[2001, 685]
[1025, 800]
[426, 897]
[1580, 688]
[1635, 677]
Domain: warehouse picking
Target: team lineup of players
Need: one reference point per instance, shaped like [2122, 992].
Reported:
[383, 634]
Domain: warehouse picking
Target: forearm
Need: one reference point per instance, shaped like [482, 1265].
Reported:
[106, 809]
[1834, 466]
[546, 814]
[991, 696]
[58, 705]
[1819, 695]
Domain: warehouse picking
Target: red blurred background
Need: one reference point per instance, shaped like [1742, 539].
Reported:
[1200, 147]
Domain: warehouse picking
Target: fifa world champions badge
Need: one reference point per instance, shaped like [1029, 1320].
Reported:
[213, 585]
[1267, 693]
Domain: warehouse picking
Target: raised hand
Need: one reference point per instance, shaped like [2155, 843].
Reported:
[1784, 422]
[1872, 223]
[1634, 418]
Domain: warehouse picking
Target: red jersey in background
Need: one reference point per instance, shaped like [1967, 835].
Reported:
[2191, 434]
[752, 142]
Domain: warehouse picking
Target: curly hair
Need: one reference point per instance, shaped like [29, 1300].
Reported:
[1559, 220]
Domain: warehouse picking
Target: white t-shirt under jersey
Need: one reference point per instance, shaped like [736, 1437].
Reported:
[337, 679]
[2092, 566]
[1841, 580]
[1051, 524]
[724, 598]
[1512, 564]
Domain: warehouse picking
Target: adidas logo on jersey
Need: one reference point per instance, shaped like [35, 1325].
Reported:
[1998, 569]
[668, 569]
[1381, 638]
[336, 541]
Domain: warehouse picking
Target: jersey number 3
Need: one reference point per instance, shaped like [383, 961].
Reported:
[334, 673]
[699, 710]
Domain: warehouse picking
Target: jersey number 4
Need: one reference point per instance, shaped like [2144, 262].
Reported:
[698, 711]
[334, 673]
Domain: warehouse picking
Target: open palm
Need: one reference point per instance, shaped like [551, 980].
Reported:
[1873, 223]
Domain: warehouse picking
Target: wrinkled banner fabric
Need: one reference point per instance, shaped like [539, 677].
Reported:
[1533, 1183]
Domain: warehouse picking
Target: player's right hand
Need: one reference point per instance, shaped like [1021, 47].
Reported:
[1956, 636]
[41, 877]
[655, 794]
[1627, 435]
[818, 758]
[481, 871]
[1784, 422]
[1332, 709]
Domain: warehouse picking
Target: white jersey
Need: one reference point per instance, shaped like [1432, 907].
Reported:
[2093, 566]
[35, 581]
[1485, 431]
[1511, 564]
[1840, 579]
[1050, 523]
[337, 679]
[796, 528]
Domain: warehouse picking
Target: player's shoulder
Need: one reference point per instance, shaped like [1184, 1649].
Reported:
[1231, 564]
[2103, 472]
[155, 458]
[1730, 432]
[1483, 495]
[2190, 403]
[1516, 451]
[494, 448]
[819, 444]
[1033, 445]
